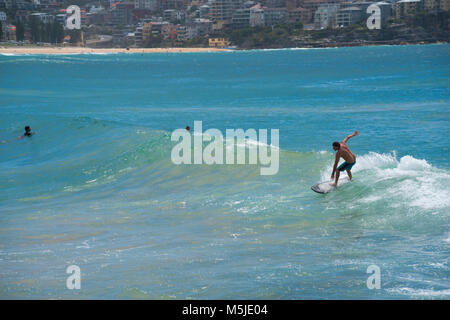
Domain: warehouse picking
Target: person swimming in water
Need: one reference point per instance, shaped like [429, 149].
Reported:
[343, 151]
[27, 133]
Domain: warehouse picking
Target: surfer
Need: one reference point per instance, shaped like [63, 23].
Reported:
[343, 151]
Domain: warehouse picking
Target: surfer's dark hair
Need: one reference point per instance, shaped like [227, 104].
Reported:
[336, 144]
[27, 128]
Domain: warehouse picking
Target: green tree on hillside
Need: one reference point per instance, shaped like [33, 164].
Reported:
[57, 32]
[75, 35]
[34, 25]
[20, 31]
[46, 32]
[154, 41]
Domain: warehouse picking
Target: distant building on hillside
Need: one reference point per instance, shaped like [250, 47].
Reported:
[7, 4]
[171, 4]
[181, 33]
[173, 15]
[22, 16]
[122, 13]
[146, 4]
[275, 3]
[313, 5]
[61, 18]
[325, 16]
[436, 5]
[222, 10]
[385, 10]
[347, 16]
[138, 38]
[299, 15]
[444, 5]
[405, 8]
[241, 18]
[218, 42]
[203, 26]
[43, 17]
[256, 16]
[275, 16]
[9, 32]
[204, 11]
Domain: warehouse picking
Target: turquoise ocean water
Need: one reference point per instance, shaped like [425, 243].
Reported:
[95, 187]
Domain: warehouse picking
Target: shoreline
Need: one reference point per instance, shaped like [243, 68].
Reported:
[331, 44]
[85, 50]
[81, 50]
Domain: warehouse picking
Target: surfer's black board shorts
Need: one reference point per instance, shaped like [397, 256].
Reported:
[346, 166]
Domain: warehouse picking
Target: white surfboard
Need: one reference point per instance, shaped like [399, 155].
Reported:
[325, 187]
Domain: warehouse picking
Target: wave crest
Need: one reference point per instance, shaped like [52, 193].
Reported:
[408, 182]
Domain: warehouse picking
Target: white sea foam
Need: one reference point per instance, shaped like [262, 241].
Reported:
[375, 160]
[101, 53]
[420, 292]
[406, 182]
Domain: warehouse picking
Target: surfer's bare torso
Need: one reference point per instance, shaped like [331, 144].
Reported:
[345, 153]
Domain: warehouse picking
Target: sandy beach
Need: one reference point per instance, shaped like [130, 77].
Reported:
[72, 50]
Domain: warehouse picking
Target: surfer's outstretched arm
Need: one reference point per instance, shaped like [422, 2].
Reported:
[350, 136]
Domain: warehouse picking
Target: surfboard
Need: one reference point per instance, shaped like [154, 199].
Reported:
[325, 187]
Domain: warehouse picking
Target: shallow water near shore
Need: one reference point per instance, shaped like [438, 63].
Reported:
[95, 186]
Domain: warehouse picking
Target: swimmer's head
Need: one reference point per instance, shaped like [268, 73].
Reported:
[27, 129]
[188, 128]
